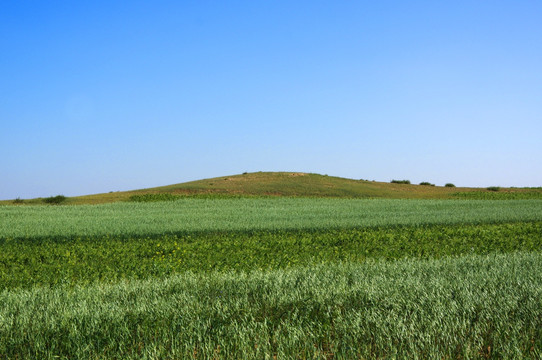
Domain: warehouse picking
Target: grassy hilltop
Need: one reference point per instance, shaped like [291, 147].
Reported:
[298, 184]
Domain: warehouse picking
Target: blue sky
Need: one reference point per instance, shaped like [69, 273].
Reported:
[104, 96]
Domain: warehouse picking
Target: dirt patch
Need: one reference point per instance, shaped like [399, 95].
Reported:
[298, 174]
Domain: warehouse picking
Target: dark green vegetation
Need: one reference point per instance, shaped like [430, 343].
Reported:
[501, 195]
[449, 185]
[275, 184]
[266, 277]
[426, 183]
[82, 259]
[493, 188]
[154, 197]
[401, 182]
[55, 200]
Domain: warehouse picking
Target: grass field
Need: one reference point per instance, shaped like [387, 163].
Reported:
[86, 259]
[253, 214]
[272, 277]
[466, 307]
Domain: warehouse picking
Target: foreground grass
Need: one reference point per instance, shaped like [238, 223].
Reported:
[467, 307]
[80, 260]
[246, 214]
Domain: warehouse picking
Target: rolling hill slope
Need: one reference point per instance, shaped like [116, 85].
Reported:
[301, 185]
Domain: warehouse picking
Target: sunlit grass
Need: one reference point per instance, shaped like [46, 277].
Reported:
[466, 307]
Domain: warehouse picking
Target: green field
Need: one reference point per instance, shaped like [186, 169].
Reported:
[466, 307]
[272, 277]
[189, 215]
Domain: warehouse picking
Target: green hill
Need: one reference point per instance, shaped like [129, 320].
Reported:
[303, 185]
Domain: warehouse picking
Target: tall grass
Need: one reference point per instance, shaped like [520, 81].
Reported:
[253, 214]
[462, 308]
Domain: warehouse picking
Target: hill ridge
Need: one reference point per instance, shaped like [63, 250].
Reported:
[295, 184]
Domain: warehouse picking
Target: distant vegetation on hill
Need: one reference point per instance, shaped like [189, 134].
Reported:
[295, 184]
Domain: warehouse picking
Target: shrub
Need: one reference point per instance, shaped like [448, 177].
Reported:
[400, 181]
[449, 185]
[426, 183]
[18, 201]
[493, 188]
[55, 200]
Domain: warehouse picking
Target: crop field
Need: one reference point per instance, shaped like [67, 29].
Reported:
[257, 278]
[248, 214]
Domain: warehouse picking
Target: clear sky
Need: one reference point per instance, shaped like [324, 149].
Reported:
[101, 96]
